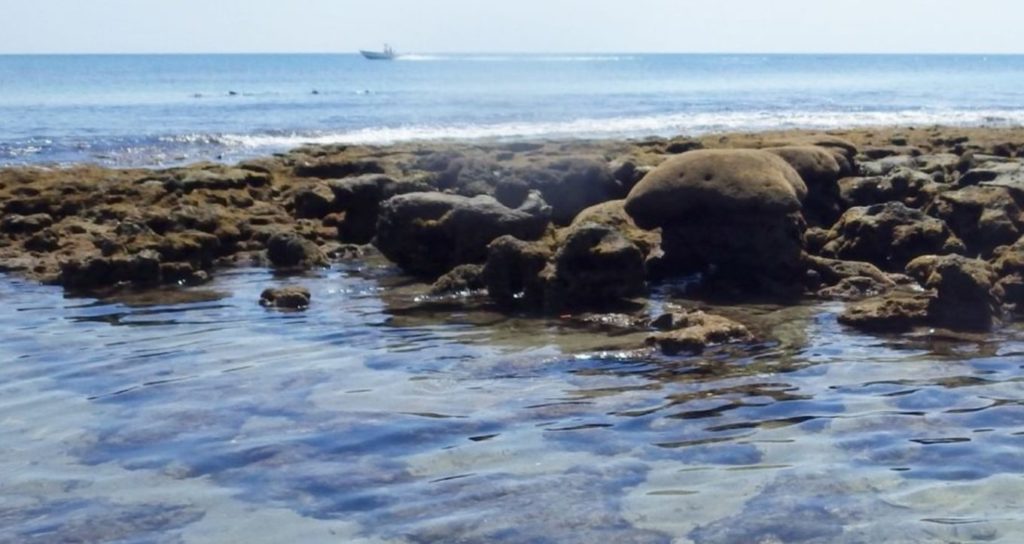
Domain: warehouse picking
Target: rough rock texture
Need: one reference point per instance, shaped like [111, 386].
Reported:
[613, 214]
[912, 188]
[461, 279]
[512, 271]
[428, 234]
[889, 235]
[964, 297]
[289, 250]
[985, 217]
[897, 311]
[571, 185]
[820, 171]
[595, 265]
[732, 212]
[292, 297]
[360, 197]
[695, 331]
[715, 182]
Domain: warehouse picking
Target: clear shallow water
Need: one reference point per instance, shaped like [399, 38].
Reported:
[363, 419]
[146, 110]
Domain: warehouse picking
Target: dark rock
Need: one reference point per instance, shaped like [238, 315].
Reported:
[461, 279]
[25, 224]
[511, 192]
[897, 311]
[43, 241]
[889, 235]
[141, 268]
[292, 297]
[682, 145]
[964, 297]
[985, 217]
[215, 179]
[596, 265]
[474, 176]
[512, 271]
[360, 197]
[855, 288]
[428, 234]
[613, 214]
[820, 172]
[571, 185]
[887, 165]
[912, 188]
[834, 271]
[695, 331]
[288, 250]
[313, 202]
[337, 167]
[628, 173]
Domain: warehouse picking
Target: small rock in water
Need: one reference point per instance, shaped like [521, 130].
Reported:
[292, 297]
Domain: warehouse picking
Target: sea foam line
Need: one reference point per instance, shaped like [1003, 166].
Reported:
[655, 125]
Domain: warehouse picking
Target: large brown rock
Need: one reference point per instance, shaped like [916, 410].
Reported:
[731, 213]
[820, 171]
[716, 182]
[889, 235]
[427, 234]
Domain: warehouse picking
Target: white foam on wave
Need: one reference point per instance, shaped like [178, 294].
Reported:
[655, 125]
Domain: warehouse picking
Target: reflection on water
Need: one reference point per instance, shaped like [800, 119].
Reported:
[203, 417]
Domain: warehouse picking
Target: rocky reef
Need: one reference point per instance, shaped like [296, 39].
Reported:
[909, 227]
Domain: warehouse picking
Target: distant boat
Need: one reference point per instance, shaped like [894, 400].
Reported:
[387, 54]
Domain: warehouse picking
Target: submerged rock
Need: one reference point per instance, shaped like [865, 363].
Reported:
[695, 331]
[293, 297]
[897, 311]
[461, 279]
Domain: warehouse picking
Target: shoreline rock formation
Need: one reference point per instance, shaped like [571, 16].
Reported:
[910, 227]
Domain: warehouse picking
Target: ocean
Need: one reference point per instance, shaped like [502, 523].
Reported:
[150, 110]
[383, 415]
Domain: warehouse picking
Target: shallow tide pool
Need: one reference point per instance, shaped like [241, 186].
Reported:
[199, 416]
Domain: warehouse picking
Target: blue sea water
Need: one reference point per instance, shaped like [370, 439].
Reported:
[159, 109]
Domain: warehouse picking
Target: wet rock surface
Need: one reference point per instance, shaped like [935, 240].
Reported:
[292, 297]
[556, 225]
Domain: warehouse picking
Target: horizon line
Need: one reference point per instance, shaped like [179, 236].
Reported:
[355, 52]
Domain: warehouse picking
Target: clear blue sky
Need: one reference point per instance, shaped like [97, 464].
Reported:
[164, 26]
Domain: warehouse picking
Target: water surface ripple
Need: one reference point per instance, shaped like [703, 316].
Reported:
[203, 417]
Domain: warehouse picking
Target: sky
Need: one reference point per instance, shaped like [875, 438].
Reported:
[451, 26]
